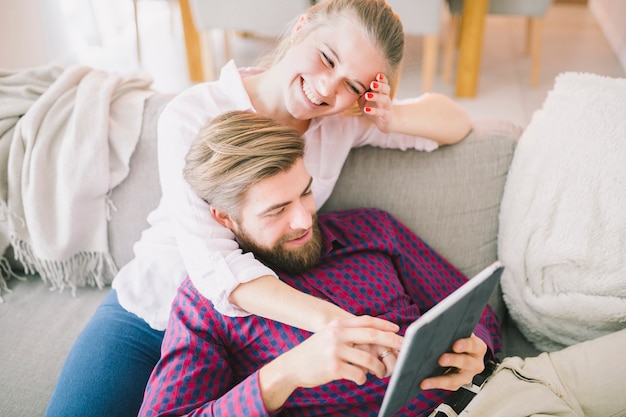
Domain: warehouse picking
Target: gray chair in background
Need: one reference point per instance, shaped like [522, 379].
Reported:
[423, 18]
[533, 10]
[254, 18]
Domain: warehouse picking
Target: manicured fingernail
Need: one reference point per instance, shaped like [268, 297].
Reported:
[380, 77]
[374, 84]
[368, 109]
[369, 96]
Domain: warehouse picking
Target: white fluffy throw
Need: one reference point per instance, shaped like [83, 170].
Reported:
[562, 231]
[66, 138]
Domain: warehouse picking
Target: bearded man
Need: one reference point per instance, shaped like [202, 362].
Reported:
[250, 170]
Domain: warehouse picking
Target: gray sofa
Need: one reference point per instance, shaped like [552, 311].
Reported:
[450, 197]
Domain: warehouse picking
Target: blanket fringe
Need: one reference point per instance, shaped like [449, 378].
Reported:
[6, 273]
[83, 269]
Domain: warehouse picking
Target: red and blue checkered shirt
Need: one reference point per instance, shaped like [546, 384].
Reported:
[371, 264]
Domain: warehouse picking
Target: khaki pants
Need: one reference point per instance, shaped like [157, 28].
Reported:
[587, 379]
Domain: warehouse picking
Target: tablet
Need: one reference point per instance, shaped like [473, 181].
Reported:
[434, 333]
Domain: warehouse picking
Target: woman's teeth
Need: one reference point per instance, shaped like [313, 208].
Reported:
[310, 94]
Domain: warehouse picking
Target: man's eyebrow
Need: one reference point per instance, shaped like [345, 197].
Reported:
[308, 187]
[286, 203]
[339, 61]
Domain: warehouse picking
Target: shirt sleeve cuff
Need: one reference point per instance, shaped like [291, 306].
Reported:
[218, 289]
[483, 334]
[246, 399]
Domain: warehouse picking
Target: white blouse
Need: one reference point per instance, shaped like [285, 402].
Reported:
[184, 239]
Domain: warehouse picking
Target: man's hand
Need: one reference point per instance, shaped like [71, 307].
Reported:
[328, 355]
[387, 356]
[467, 361]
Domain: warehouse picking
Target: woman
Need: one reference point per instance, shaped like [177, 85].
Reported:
[339, 54]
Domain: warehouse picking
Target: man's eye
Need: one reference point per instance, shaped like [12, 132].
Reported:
[276, 213]
[327, 60]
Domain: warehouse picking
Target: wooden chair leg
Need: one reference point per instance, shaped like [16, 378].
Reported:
[429, 61]
[450, 47]
[192, 43]
[535, 33]
[528, 37]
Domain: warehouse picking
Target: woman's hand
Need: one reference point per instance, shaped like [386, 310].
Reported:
[467, 360]
[376, 103]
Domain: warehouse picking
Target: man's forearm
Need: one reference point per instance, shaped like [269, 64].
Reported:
[276, 385]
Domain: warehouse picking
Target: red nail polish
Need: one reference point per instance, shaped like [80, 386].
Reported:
[369, 96]
[381, 77]
[368, 109]
[374, 85]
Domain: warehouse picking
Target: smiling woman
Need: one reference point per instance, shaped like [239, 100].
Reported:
[340, 50]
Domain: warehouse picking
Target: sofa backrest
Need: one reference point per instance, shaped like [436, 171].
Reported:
[449, 197]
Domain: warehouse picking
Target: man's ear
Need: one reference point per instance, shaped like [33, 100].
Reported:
[223, 218]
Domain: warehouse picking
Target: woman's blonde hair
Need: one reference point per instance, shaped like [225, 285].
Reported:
[380, 25]
[236, 150]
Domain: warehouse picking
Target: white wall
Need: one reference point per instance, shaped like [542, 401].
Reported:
[32, 33]
[96, 33]
[611, 15]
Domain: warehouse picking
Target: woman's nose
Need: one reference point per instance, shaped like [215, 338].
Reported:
[327, 85]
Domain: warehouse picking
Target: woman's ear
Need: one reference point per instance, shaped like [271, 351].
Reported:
[223, 218]
[302, 21]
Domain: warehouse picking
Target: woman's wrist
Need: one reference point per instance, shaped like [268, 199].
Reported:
[330, 313]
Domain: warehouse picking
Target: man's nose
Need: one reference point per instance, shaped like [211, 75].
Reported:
[302, 217]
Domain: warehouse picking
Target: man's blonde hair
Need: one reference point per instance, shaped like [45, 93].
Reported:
[236, 150]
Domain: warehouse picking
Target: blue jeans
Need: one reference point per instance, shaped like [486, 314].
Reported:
[107, 369]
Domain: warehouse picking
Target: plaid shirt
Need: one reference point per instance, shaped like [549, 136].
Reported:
[371, 264]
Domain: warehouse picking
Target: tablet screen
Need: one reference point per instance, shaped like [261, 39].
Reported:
[434, 333]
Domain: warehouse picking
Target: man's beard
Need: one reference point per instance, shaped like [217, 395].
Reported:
[292, 261]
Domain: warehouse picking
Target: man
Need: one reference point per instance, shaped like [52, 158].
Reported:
[365, 261]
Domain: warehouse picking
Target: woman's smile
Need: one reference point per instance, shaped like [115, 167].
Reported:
[310, 94]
